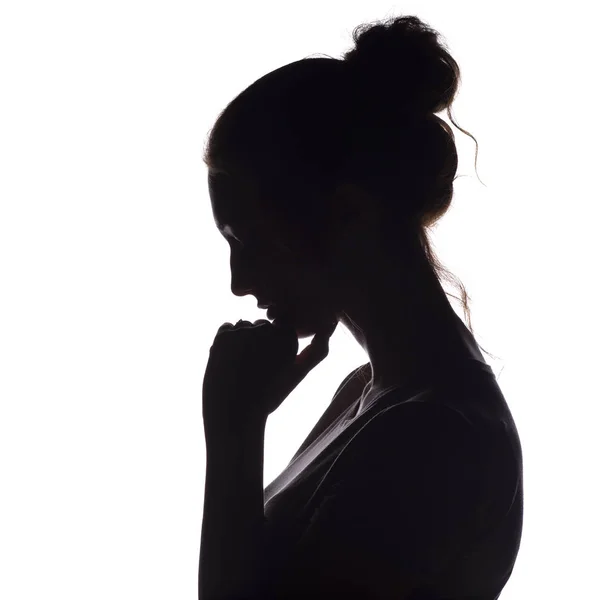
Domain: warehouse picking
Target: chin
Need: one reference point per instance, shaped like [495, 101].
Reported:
[301, 330]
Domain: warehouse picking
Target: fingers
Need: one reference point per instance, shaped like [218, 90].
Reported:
[243, 323]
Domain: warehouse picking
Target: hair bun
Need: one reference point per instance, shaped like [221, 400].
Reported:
[403, 58]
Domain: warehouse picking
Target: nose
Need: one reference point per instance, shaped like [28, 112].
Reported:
[240, 275]
[248, 272]
[240, 281]
[240, 291]
[243, 284]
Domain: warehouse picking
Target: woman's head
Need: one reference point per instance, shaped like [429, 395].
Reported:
[332, 167]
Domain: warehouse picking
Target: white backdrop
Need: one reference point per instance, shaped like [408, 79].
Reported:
[114, 278]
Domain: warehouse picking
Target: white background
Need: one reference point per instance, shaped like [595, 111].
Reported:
[114, 278]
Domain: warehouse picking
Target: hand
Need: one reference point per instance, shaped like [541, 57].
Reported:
[253, 367]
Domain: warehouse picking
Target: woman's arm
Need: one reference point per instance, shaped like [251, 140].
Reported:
[233, 545]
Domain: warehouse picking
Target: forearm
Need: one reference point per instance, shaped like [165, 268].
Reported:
[233, 544]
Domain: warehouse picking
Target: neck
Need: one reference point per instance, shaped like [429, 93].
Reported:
[407, 327]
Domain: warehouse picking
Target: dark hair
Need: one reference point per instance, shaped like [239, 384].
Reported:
[368, 119]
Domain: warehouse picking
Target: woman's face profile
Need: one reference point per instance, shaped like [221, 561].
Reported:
[263, 260]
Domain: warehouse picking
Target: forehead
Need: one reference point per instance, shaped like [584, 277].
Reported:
[234, 205]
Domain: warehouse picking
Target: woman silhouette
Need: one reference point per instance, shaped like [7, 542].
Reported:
[324, 177]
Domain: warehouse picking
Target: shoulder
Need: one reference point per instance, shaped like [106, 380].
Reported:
[413, 435]
[422, 415]
[398, 499]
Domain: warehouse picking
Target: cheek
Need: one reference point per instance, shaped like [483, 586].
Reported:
[313, 292]
[305, 278]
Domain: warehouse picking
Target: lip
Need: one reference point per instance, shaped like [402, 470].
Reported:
[271, 312]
